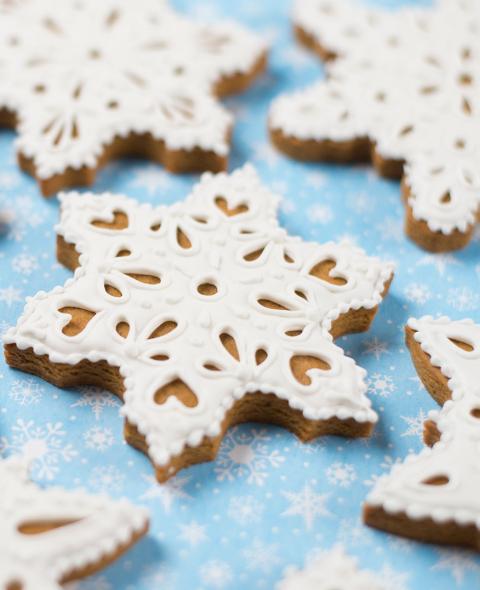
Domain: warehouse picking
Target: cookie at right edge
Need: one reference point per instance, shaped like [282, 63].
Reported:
[402, 90]
[433, 496]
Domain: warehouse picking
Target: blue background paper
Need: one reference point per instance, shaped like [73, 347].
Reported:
[268, 501]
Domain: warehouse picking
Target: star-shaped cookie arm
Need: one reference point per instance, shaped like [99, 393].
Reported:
[52, 536]
[435, 491]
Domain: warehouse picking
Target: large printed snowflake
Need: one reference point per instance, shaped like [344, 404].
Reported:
[87, 81]
[203, 314]
[433, 496]
[403, 87]
[48, 537]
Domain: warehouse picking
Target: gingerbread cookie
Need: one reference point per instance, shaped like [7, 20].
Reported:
[84, 82]
[402, 90]
[330, 570]
[49, 537]
[202, 315]
[434, 496]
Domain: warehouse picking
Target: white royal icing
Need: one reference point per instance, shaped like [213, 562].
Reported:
[455, 456]
[40, 561]
[79, 74]
[408, 79]
[218, 245]
[330, 570]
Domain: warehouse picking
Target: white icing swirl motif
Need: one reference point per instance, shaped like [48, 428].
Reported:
[79, 74]
[330, 570]
[442, 482]
[47, 535]
[235, 301]
[410, 81]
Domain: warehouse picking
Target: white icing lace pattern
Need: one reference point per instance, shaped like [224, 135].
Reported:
[81, 73]
[409, 80]
[89, 529]
[453, 462]
[215, 253]
[330, 570]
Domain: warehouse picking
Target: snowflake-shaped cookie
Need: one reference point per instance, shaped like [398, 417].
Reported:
[48, 537]
[201, 315]
[330, 570]
[404, 90]
[87, 81]
[434, 496]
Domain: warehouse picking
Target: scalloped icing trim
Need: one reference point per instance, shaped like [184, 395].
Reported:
[409, 80]
[454, 457]
[83, 530]
[219, 253]
[79, 74]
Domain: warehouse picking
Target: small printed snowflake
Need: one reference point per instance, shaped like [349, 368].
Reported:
[216, 574]
[261, 556]
[387, 464]
[151, 179]
[392, 579]
[376, 347]
[307, 504]
[439, 261]
[246, 454]
[106, 478]
[415, 424]
[320, 214]
[341, 474]
[97, 399]
[42, 445]
[10, 295]
[352, 532]
[158, 576]
[166, 493]
[26, 392]
[98, 439]
[192, 533]
[391, 229]
[245, 509]
[381, 385]
[24, 264]
[4, 327]
[463, 299]
[287, 206]
[316, 179]
[418, 293]
[457, 563]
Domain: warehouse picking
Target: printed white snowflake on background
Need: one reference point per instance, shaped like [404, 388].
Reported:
[457, 563]
[43, 445]
[463, 299]
[307, 504]
[352, 532]
[246, 454]
[193, 533]
[394, 580]
[97, 399]
[441, 262]
[261, 556]
[381, 385]
[26, 392]
[414, 424]
[418, 293]
[320, 214]
[216, 574]
[98, 439]
[151, 179]
[375, 347]
[10, 295]
[245, 509]
[106, 478]
[341, 474]
[166, 493]
[24, 264]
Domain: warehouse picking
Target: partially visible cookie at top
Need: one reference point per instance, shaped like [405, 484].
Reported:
[330, 570]
[202, 315]
[53, 536]
[434, 496]
[402, 90]
[84, 82]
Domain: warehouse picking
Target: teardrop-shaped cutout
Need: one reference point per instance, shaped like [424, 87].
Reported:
[39, 527]
[144, 278]
[207, 289]
[230, 345]
[270, 304]
[288, 258]
[300, 364]
[301, 294]
[466, 106]
[160, 357]
[436, 480]
[111, 290]
[198, 219]
[460, 144]
[295, 332]
[163, 329]
[428, 90]
[462, 344]
[123, 252]
[123, 329]
[179, 389]
[79, 319]
[183, 240]
[322, 270]
[222, 204]
[255, 255]
[405, 131]
[14, 585]
[120, 221]
[446, 198]
[261, 356]
[211, 367]
[156, 226]
[475, 413]
[465, 79]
